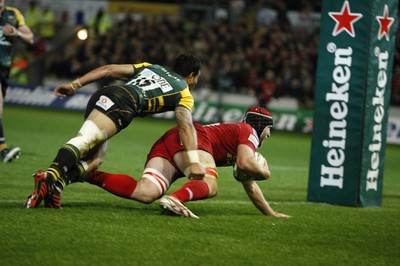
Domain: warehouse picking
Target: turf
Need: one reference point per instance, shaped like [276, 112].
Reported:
[97, 228]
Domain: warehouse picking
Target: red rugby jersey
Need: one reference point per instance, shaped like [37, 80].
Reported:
[225, 139]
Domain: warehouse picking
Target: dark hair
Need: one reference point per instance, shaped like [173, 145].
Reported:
[187, 63]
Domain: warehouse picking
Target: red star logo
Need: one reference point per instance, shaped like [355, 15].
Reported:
[384, 24]
[345, 20]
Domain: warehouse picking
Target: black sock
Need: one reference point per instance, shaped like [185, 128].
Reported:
[76, 174]
[67, 157]
[2, 138]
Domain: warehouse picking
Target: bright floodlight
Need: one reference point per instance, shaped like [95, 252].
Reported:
[82, 34]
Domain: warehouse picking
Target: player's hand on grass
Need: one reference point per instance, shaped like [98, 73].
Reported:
[280, 215]
[196, 171]
[64, 90]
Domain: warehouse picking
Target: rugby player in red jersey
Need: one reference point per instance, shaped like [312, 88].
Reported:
[231, 143]
[222, 144]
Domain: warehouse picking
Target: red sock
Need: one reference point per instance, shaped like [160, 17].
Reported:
[192, 190]
[118, 184]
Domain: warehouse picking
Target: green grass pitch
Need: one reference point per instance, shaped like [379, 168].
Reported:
[97, 228]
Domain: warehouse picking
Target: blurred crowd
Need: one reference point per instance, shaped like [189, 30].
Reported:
[241, 57]
[265, 58]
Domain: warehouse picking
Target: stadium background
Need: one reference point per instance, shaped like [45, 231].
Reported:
[96, 228]
[254, 52]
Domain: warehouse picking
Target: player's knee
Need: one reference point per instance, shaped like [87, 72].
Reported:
[88, 137]
[146, 199]
[156, 183]
[98, 155]
[97, 162]
[213, 187]
[145, 192]
[82, 143]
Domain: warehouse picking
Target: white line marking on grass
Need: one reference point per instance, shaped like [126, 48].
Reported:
[13, 201]
[289, 168]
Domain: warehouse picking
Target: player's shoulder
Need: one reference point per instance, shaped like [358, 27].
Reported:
[242, 127]
[13, 10]
[141, 65]
[167, 73]
[228, 127]
[245, 126]
[248, 133]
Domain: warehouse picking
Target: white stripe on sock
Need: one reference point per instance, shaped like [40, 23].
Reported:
[190, 193]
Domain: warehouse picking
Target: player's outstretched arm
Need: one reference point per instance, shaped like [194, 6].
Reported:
[117, 72]
[256, 196]
[187, 133]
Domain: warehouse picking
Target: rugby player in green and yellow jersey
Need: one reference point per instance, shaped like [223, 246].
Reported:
[148, 89]
[12, 25]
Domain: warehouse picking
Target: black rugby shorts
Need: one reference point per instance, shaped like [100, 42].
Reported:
[120, 103]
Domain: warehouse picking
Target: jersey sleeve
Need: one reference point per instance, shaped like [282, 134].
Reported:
[248, 136]
[186, 100]
[137, 67]
[18, 15]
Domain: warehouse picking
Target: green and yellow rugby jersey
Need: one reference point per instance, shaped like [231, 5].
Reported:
[12, 16]
[162, 90]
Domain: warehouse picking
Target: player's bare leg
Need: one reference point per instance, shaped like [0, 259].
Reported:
[155, 181]
[207, 187]
[96, 129]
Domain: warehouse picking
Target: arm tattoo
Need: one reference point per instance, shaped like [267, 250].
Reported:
[183, 115]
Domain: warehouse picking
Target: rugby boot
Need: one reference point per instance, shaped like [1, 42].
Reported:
[39, 191]
[172, 206]
[53, 199]
[8, 155]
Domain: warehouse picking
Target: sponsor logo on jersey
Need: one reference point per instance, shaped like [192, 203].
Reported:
[104, 103]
